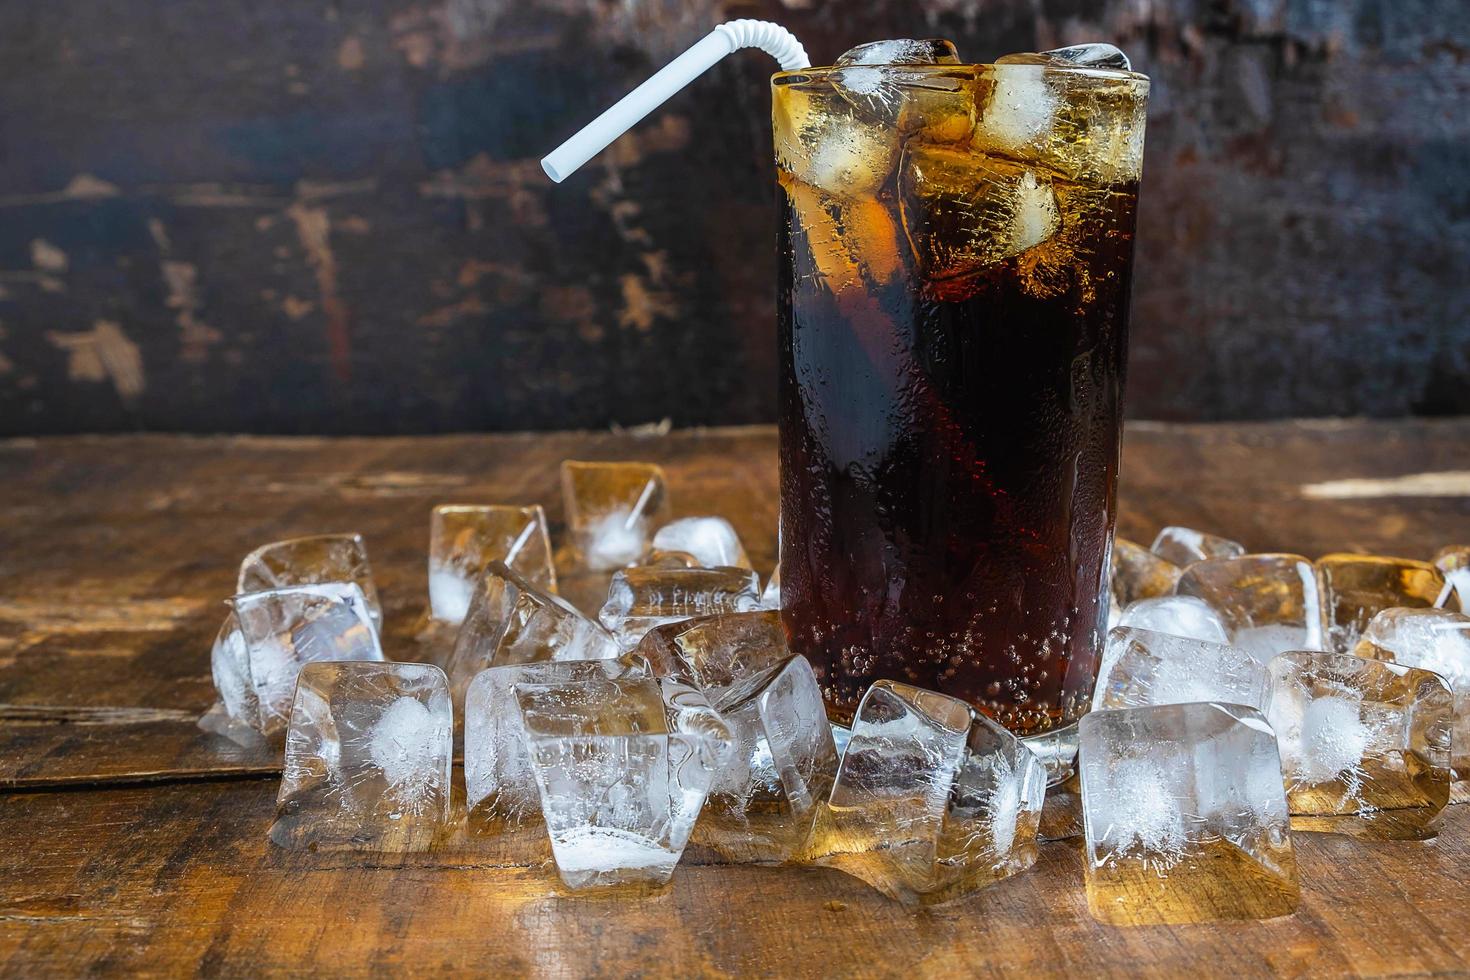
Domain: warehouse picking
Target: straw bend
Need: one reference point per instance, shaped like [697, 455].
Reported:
[593, 138]
[773, 39]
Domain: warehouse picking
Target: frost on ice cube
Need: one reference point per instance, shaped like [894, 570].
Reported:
[710, 541]
[623, 766]
[928, 105]
[311, 560]
[765, 798]
[1137, 573]
[903, 86]
[1454, 563]
[1185, 815]
[1141, 668]
[464, 539]
[510, 621]
[771, 594]
[1365, 745]
[1355, 588]
[367, 758]
[500, 786]
[1184, 546]
[900, 51]
[646, 596]
[1429, 639]
[931, 799]
[1269, 603]
[268, 636]
[612, 509]
[1093, 55]
[1178, 615]
[964, 211]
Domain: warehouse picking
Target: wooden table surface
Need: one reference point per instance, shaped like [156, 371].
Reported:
[131, 842]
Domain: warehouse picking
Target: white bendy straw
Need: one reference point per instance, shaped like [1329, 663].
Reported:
[593, 138]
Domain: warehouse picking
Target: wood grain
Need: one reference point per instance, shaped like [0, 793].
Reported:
[135, 843]
[180, 879]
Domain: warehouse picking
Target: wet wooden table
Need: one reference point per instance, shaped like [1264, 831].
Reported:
[131, 842]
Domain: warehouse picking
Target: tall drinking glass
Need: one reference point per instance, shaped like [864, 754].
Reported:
[955, 261]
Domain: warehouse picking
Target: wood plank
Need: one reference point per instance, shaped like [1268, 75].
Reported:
[181, 879]
[115, 553]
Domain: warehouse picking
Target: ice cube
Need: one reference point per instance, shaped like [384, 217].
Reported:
[1185, 815]
[368, 757]
[1184, 546]
[1355, 588]
[1087, 126]
[1454, 563]
[711, 541]
[1429, 639]
[1365, 745]
[823, 142]
[1018, 114]
[643, 597]
[268, 636]
[1180, 615]
[612, 509]
[623, 766]
[1269, 603]
[900, 51]
[500, 786]
[764, 800]
[721, 655]
[464, 539]
[1093, 55]
[771, 595]
[1142, 668]
[964, 211]
[510, 621]
[931, 799]
[1137, 573]
[927, 105]
[310, 561]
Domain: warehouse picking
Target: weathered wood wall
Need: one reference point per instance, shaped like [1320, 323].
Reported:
[328, 216]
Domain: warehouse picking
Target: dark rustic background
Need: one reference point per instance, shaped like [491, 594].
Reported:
[329, 216]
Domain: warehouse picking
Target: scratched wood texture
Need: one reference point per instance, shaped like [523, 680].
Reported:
[134, 843]
[236, 215]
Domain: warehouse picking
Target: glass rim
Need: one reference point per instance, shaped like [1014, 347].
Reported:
[1085, 71]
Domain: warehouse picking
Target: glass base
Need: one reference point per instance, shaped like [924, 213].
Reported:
[1057, 750]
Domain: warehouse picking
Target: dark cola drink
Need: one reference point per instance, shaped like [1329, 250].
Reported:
[955, 264]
